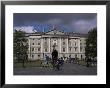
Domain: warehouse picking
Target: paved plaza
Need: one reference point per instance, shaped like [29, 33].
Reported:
[67, 69]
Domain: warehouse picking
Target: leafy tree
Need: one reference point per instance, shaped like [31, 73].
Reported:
[91, 44]
[20, 45]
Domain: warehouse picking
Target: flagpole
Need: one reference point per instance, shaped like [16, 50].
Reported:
[43, 29]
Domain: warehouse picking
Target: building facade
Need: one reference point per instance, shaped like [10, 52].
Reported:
[66, 43]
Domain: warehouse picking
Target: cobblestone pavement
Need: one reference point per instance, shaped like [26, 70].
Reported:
[67, 69]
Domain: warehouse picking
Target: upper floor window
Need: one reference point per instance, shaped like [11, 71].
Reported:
[75, 48]
[55, 44]
[38, 55]
[45, 49]
[63, 43]
[38, 49]
[63, 49]
[70, 48]
[33, 44]
[32, 49]
[38, 43]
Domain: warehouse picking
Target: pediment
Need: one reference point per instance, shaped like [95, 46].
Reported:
[55, 32]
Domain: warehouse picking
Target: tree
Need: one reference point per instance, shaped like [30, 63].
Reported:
[91, 44]
[20, 45]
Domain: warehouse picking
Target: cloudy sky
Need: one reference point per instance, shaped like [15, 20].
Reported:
[68, 22]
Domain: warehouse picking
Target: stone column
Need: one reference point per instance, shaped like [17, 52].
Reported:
[79, 45]
[49, 45]
[67, 45]
[29, 48]
[60, 45]
[42, 50]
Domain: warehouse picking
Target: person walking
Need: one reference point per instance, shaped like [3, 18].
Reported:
[54, 58]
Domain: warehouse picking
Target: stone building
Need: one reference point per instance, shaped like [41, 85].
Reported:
[66, 43]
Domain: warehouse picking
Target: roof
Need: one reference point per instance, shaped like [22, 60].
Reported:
[59, 33]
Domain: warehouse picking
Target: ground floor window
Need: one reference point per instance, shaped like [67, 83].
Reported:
[32, 56]
[81, 56]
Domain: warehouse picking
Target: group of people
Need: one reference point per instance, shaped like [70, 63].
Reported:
[55, 61]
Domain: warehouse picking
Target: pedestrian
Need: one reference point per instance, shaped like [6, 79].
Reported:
[45, 61]
[69, 58]
[54, 58]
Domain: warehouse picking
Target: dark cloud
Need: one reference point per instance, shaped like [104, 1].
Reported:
[78, 22]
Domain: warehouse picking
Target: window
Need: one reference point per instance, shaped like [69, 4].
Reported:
[63, 43]
[45, 43]
[46, 50]
[81, 56]
[63, 55]
[45, 39]
[38, 55]
[38, 49]
[55, 44]
[70, 48]
[63, 49]
[38, 43]
[75, 48]
[32, 49]
[32, 56]
[75, 55]
[33, 38]
[33, 44]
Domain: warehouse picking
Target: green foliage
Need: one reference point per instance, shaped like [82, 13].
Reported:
[20, 45]
[91, 44]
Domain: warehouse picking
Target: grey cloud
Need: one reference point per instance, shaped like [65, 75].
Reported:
[80, 22]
